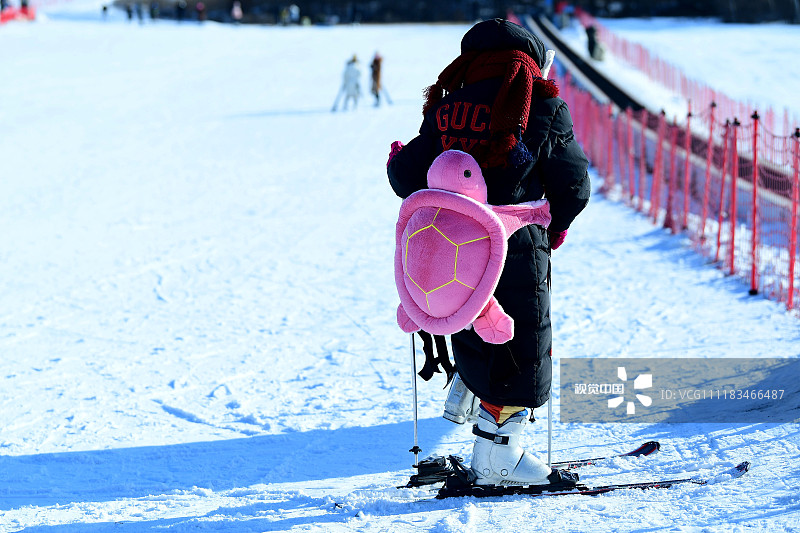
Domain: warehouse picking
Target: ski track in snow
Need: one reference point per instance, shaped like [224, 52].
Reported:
[197, 322]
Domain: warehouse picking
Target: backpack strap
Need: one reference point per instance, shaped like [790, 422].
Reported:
[432, 363]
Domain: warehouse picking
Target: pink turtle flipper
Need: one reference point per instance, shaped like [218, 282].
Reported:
[516, 216]
[404, 321]
[494, 325]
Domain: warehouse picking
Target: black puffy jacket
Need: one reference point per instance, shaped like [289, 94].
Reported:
[517, 372]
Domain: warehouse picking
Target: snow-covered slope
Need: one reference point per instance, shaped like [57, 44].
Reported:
[197, 313]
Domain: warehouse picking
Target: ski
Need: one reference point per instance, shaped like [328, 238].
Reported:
[460, 484]
[644, 450]
[437, 468]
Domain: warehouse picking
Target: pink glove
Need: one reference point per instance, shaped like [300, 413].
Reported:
[396, 147]
[557, 239]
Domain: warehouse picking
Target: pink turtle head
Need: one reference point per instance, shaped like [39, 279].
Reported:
[457, 171]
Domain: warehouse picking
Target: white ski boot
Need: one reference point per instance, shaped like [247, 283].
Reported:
[461, 405]
[497, 457]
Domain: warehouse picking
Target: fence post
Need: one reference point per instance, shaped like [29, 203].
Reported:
[643, 158]
[687, 168]
[619, 136]
[793, 222]
[734, 186]
[722, 186]
[655, 188]
[631, 180]
[754, 229]
[654, 178]
[597, 134]
[669, 221]
[603, 151]
[709, 159]
[610, 147]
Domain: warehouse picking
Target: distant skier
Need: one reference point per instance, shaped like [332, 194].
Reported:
[375, 68]
[200, 9]
[180, 10]
[236, 11]
[561, 18]
[294, 14]
[596, 50]
[494, 102]
[155, 10]
[351, 84]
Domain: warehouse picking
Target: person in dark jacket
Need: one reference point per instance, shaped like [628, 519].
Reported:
[375, 68]
[494, 102]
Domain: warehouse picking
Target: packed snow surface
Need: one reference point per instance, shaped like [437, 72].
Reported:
[197, 321]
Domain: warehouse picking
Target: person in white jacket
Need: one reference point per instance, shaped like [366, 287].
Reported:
[351, 84]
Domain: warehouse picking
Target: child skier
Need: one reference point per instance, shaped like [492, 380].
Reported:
[495, 103]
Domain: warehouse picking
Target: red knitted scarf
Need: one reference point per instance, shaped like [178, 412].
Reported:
[521, 79]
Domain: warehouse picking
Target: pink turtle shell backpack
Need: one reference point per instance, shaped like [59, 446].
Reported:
[450, 250]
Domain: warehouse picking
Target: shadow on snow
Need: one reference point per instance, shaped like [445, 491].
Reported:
[105, 475]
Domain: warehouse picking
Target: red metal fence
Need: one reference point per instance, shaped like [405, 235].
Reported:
[673, 78]
[730, 186]
[21, 13]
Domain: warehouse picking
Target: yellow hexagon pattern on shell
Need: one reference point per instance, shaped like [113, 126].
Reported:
[442, 290]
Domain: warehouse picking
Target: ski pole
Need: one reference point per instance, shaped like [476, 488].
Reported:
[550, 400]
[550, 427]
[336, 102]
[416, 449]
[386, 94]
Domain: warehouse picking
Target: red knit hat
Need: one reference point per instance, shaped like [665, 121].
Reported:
[522, 80]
